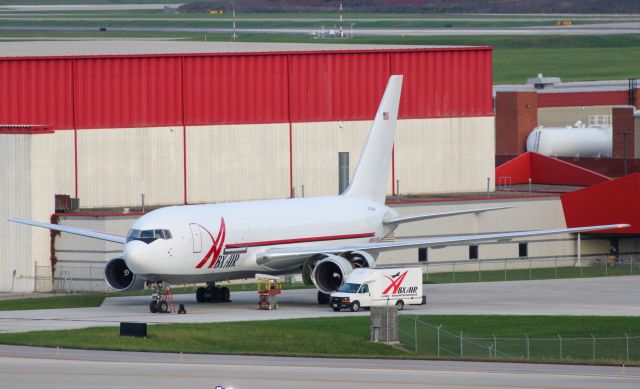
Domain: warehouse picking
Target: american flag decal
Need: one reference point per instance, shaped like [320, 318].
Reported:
[385, 116]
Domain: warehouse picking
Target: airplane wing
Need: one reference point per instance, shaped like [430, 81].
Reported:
[414, 218]
[73, 230]
[282, 258]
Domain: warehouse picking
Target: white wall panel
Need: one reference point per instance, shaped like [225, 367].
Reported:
[27, 191]
[115, 166]
[15, 184]
[63, 162]
[315, 154]
[240, 162]
[445, 155]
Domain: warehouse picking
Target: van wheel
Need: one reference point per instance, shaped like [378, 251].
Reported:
[355, 307]
[336, 309]
[400, 305]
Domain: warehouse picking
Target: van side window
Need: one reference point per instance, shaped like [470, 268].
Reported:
[364, 288]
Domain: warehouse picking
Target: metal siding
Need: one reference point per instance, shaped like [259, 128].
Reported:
[36, 92]
[444, 83]
[137, 91]
[236, 89]
[444, 155]
[244, 162]
[315, 154]
[116, 166]
[128, 92]
[331, 87]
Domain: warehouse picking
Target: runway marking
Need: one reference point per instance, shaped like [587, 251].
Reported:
[417, 370]
[421, 383]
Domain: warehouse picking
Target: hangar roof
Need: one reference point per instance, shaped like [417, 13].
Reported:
[132, 47]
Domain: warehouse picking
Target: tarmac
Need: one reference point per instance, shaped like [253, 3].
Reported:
[34, 367]
[604, 296]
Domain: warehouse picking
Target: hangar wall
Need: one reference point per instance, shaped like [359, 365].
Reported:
[164, 124]
[27, 191]
[116, 166]
[244, 162]
[127, 113]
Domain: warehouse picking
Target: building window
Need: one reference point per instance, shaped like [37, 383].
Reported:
[423, 254]
[523, 250]
[473, 252]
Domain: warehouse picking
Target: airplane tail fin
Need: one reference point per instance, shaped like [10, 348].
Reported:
[371, 178]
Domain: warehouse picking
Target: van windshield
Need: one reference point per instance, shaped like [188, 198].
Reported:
[349, 288]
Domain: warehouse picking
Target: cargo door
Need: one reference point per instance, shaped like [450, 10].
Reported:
[196, 234]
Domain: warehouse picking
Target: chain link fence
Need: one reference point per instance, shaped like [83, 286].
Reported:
[433, 340]
[506, 269]
[72, 277]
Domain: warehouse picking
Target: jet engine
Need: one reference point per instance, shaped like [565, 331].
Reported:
[120, 278]
[330, 270]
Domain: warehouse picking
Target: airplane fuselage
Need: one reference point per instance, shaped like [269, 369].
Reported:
[214, 242]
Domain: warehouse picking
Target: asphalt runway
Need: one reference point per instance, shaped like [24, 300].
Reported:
[612, 296]
[27, 367]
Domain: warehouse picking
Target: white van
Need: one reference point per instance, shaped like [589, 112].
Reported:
[366, 287]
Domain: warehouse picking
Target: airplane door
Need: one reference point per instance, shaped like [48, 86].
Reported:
[196, 234]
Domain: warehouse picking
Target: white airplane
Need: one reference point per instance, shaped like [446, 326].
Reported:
[324, 238]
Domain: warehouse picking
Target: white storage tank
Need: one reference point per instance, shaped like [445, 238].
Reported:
[576, 141]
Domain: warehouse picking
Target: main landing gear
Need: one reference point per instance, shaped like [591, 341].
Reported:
[213, 294]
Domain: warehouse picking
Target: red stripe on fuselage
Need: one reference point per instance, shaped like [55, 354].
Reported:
[300, 240]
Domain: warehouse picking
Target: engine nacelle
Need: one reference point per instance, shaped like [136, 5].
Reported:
[119, 278]
[361, 259]
[329, 273]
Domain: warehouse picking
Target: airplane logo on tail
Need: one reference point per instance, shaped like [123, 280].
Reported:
[216, 246]
[395, 284]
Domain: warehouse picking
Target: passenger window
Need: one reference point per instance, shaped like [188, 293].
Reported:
[364, 288]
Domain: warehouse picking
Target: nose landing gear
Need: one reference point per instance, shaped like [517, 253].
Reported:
[213, 294]
[162, 299]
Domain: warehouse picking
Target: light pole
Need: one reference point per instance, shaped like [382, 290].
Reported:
[234, 36]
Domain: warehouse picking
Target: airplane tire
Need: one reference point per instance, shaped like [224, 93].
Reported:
[200, 292]
[225, 294]
[163, 307]
[355, 306]
[153, 306]
[323, 298]
[215, 295]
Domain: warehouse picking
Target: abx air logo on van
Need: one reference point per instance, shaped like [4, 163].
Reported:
[395, 287]
[396, 282]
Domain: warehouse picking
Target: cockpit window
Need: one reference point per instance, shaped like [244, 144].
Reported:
[148, 236]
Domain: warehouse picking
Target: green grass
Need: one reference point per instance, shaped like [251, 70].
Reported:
[550, 338]
[348, 336]
[506, 325]
[56, 302]
[340, 336]
[525, 274]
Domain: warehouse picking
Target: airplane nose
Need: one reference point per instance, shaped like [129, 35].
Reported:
[134, 256]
